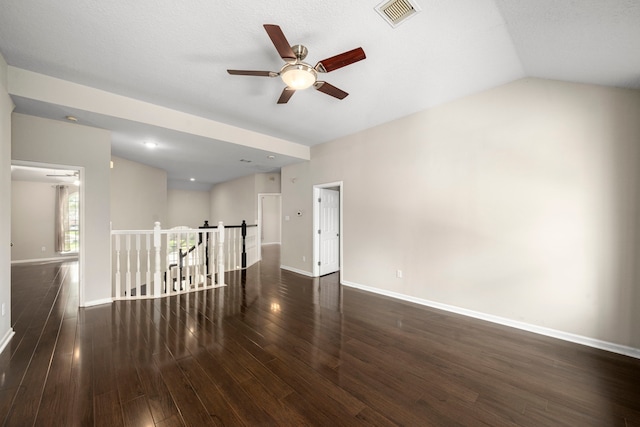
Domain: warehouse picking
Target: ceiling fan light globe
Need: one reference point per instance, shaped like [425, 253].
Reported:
[298, 76]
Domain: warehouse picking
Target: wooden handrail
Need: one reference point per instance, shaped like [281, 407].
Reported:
[206, 225]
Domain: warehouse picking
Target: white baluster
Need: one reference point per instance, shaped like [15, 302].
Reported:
[187, 261]
[148, 275]
[212, 254]
[198, 262]
[220, 254]
[180, 261]
[118, 278]
[201, 262]
[229, 253]
[138, 281]
[168, 285]
[157, 245]
[128, 273]
[234, 249]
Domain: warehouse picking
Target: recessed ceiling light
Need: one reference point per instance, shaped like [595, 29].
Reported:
[192, 179]
[150, 144]
[271, 157]
[71, 118]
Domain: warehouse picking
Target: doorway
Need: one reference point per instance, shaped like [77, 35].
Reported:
[47, 214]
[327, 226]
[269, 226]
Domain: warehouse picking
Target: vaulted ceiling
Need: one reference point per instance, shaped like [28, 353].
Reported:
[175, 55]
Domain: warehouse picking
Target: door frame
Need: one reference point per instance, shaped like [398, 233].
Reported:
[81, 237]
[316, 225]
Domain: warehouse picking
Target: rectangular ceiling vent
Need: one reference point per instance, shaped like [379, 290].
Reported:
[395, 12]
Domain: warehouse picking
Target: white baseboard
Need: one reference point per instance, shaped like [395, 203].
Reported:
[566, 336]
[295, 270]
[97, 302]
[60, 258]
[5, 340]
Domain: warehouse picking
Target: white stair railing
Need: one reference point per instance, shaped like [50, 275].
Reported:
[180, 260]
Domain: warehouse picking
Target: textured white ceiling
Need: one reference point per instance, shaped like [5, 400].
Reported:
[175, 54]
[586, 41]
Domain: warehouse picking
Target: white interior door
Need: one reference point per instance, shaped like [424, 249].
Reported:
[329, 231]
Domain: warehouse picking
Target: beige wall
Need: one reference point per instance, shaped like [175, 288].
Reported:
[6, 106]
[520, 202]
[138, 195]
[3, 73]
[271, 222]
[190, 208]
[89, 149]
[237, 200]
[33, 220]
[267, 182]
[234, 201]
[297, 231]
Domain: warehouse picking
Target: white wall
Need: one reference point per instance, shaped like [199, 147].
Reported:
[54, 142]
[6, 106]
[33, 220]
[271, 223]
[190, 208]
[138, 195]
[520, 202]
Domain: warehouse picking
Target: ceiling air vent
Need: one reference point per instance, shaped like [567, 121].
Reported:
[395, 12]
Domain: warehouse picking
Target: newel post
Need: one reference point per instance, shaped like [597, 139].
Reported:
[244, 247]
[220, 253]
[157, 243]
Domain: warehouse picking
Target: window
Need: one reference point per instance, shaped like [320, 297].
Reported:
[72, 233]
[67, 219]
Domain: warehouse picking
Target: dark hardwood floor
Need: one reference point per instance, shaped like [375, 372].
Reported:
[277, 348]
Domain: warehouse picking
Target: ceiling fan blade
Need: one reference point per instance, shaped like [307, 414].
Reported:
[331, 90]
[253, 73]
[286, 94]
[339, 61]
[280, 42]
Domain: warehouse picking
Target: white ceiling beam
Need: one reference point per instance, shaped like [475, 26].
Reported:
[40, 87]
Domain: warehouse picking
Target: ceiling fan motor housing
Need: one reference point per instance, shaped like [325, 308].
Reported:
[300, 51]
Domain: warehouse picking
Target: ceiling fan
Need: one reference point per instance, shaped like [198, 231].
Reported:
[65, 175]
[298, 75]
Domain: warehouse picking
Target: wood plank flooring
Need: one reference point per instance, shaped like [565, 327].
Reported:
[277, 348]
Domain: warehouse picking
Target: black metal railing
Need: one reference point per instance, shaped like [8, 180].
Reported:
[243, 226]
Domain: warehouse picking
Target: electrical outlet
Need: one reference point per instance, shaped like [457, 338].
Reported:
[399, 274]
[44, 249]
